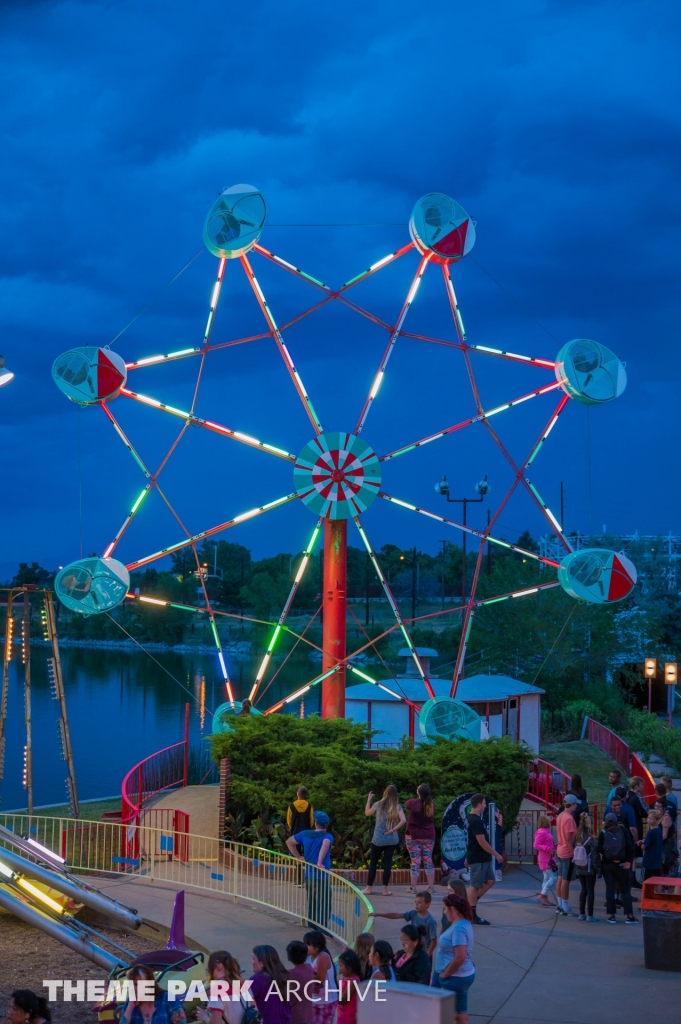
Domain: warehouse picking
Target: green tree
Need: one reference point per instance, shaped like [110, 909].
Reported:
[33, 573]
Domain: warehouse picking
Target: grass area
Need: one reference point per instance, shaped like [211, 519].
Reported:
[582, 757]
[90, 811]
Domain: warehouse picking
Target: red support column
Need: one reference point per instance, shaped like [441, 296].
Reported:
[335, 586]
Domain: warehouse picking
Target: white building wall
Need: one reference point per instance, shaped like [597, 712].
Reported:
[530, 721]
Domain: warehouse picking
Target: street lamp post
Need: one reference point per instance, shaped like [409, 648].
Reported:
[414, 579]
[670, 678]
[483, 489]
[650, 672]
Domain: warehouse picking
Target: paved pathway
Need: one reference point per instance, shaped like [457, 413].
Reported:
[534, 967]
[531, 965]
[201, 804]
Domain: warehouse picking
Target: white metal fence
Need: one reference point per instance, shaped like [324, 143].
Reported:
[273, 880]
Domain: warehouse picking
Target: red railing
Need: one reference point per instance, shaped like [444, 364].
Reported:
[163, 770]
[545, 783]
[610, 743]
[613, 745]
[638, 768]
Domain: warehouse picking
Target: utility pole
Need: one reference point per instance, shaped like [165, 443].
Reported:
[444, 562]
[489, 547]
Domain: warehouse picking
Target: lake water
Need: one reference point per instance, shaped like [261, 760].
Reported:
[123, 706]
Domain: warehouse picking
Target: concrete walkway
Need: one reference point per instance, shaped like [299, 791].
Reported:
[535, 967]
[212, 920]
[200, 803]
[531, 965]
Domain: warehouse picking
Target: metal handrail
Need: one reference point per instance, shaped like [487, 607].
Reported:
[546, 782]
[132, 798]
[262, 877]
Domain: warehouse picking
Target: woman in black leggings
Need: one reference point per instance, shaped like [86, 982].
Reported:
[389, 819]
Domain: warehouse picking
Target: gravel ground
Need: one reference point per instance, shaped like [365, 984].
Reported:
[27, 957]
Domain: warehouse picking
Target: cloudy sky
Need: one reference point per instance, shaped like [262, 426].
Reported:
[555, 125]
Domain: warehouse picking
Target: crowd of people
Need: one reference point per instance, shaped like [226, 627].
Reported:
[631, 830]
[313, 988]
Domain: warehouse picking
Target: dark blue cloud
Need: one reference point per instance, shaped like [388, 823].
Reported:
[557, 128]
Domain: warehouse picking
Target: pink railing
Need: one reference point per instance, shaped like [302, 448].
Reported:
[163, 770]
[545, 783]
[613, 745]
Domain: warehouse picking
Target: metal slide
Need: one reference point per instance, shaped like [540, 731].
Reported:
[26, 900]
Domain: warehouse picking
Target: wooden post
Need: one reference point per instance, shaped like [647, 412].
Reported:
[224, 790]
[7, 654]
[60, 696]
[28, 752]
[185, 767]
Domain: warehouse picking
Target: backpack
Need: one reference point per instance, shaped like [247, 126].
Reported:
[614, 846]
[251, 1015]
[580, 857]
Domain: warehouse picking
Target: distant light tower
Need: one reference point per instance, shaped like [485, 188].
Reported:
[442, 488]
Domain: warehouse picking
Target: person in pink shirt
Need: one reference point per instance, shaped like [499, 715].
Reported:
[545, 845]
[350, 969]
[566, 828]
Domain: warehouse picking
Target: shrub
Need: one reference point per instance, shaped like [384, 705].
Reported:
[270, 757]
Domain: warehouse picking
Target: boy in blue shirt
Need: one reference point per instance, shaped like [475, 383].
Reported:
[316, 843]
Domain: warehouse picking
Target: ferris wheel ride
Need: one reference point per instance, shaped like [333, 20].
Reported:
[337, 475]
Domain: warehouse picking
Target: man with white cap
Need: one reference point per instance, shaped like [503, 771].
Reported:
[566, 828]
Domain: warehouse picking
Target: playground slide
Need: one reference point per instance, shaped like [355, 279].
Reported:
[34, 893]
[65, 929]
[56, 876]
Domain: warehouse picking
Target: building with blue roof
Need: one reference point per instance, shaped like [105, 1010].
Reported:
[507, 706]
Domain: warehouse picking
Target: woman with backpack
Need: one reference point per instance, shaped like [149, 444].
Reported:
[586, 861]
[617, 852]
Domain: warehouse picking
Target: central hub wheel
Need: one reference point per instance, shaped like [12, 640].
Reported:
[337, 475]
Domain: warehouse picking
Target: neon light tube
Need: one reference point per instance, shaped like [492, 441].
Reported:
[215, 633]
[279, 451]
[109, 549]
[223, 666]
[4, 870]
[522, 593]
[380, 263]
[485, 348]
[387, 690]
[139, 501]
[183, 607]
[152, 600]
[362, 674]
[301, 569]
[247, 437]
[499, 408]
[376, 385]
[414, 288]
[47, 900]
[299, 693]
[43, 849]
[495, 600]
[528, 359]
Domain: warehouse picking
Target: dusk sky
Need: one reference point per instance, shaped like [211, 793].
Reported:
[555, 125]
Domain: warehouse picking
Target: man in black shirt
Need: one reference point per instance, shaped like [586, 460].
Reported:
[479, 856]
